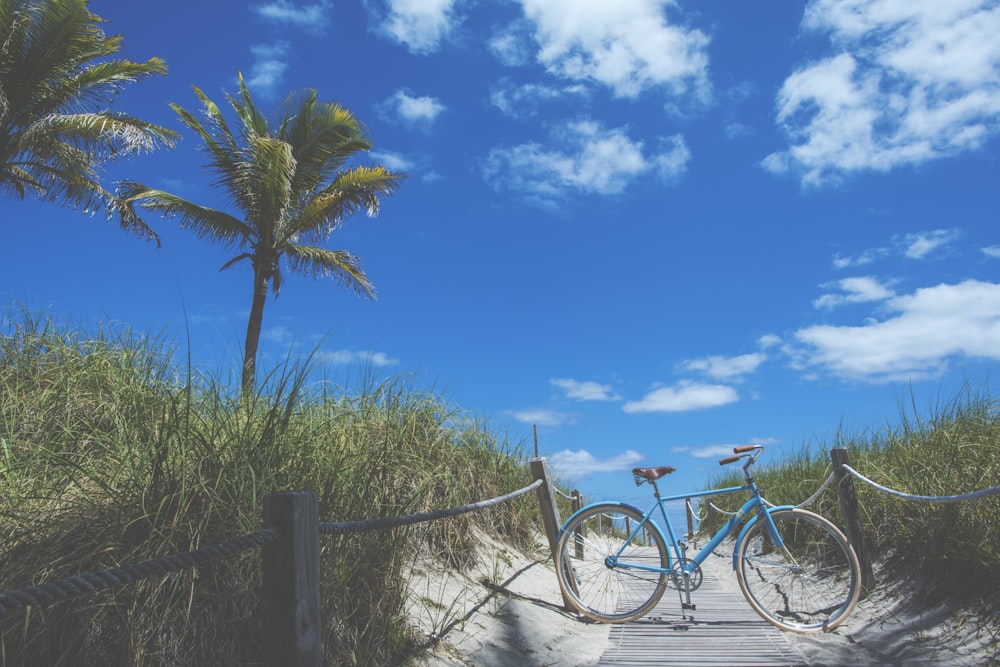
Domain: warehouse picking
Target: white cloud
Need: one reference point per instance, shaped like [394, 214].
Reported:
[768, 341]
[310, 17]
[585, 390]
[420, 25]
[683, 397]
[512, 45]
[414, 166]
[594, 160]
[627, 45]
[277, 334]
[867, 257]
[575, 465]
[991, 251]
[541, 417]
[672, 160]
[712, 451]
[919, 245]
[524, 101]
[927, 329]
[913, 246]
[912, 81]
[393, 161]
[726, 368]
[414, 110]
[268, 68]
[862, 289]
[364, 358]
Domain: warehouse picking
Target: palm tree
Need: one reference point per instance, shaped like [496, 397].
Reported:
[292, 188]
[55, 68]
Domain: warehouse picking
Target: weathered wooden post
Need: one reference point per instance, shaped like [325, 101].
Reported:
[850, 512]
[690, 517]
[291, 613]
[581, 529]
[550, 512]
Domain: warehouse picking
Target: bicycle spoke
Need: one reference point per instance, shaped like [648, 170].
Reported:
[811, 584]
[596, 564]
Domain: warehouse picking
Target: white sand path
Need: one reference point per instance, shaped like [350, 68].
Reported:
[508, 612]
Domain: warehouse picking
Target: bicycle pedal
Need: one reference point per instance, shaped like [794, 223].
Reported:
[689, 605]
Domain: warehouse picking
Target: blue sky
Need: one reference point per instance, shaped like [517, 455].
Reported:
[653, 229]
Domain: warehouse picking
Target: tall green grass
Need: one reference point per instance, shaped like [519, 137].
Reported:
[111, 453]
[952, 550]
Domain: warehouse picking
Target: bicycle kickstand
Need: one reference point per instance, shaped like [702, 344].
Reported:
[684, 590]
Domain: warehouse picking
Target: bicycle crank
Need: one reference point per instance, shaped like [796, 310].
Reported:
[691, 568]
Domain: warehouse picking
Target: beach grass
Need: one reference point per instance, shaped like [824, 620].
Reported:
[112, 452]
[948, 550]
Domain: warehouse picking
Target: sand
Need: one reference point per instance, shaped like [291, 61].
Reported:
[508, 612]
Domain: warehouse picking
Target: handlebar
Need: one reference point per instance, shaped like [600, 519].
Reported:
[742, 451]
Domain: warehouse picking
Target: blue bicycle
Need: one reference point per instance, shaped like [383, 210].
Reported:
[795, 568]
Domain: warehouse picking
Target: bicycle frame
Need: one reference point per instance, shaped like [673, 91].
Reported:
[754, 502]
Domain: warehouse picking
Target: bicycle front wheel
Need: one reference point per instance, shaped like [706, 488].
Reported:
[608, 577]
[809, 585]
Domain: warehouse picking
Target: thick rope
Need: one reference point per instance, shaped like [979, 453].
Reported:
[720, 510]
[70, 587]
[925, 499]
[562, 493]
[811, 499]
[346, 527]
[808, 501]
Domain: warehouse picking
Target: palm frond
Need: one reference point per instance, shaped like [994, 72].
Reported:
[352, 191]
[337, 264]
[253, 121]
[269, 169]
[96, 83]
[55, 75]
[218, 141]
[236, 259]
[103, 134]
[206, 222]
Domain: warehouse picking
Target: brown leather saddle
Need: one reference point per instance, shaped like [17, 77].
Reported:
[651, 474]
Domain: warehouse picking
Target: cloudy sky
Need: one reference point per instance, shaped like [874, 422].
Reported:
[651, 229]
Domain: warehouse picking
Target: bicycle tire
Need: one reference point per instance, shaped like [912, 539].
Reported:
[603, 592]
[811, 585]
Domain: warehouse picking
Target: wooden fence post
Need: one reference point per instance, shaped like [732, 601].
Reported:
[690, 518]
[581, 530]
[550, 512]
[291, 608]
[850, 512]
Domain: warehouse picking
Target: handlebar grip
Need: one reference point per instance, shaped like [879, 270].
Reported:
[731, 459]
[745, 448]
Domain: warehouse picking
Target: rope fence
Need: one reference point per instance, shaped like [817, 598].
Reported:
[291, 576]
[923, 499]
[346, 527]
[71, 587]
[973, 495]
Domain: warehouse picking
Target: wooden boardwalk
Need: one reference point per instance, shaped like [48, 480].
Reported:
[724, 632]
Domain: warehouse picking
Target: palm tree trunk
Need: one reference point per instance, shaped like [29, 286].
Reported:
[256, 321]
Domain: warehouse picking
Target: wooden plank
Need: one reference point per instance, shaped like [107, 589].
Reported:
[722, 631]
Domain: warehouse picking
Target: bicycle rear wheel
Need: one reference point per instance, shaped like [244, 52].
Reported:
[812, 584]
[602, 586]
